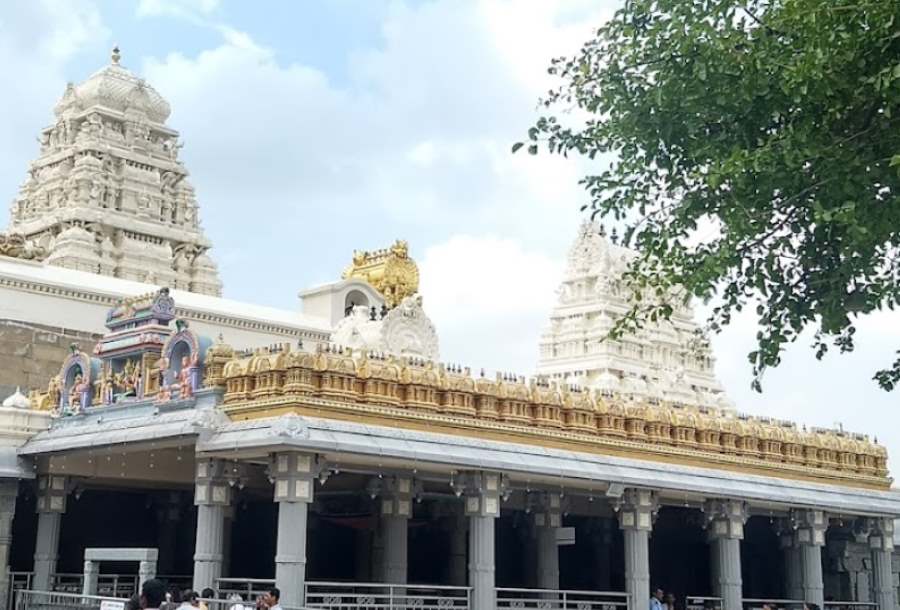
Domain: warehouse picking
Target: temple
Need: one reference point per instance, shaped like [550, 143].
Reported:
[331, 453]
[108, 194]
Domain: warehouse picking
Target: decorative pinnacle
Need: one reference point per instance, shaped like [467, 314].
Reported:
[116, 55]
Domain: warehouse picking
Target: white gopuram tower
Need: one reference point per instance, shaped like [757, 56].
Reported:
[669, 361]
[107, 193]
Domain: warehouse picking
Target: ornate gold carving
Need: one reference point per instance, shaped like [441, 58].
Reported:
[390, 271]
[409, 392]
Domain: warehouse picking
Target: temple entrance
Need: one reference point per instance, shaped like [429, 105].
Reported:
[679, 553]
[762, 560]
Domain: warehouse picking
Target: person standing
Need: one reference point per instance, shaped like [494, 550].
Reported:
[669, 603]
[272, 599]
[656, 599]
[153, 592]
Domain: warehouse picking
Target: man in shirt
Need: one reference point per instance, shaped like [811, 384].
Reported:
[153, 592]
[271, 599]
[656, 600]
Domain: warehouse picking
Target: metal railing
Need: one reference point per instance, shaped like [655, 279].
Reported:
[549, 599]
[782, 604]
[247, 588]
[832, 605]
[379, 596]
[55, 600]
[698, 602]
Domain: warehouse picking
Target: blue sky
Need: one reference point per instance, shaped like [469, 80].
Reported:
[313, 128]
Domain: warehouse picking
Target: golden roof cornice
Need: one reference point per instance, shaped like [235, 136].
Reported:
[336, 382]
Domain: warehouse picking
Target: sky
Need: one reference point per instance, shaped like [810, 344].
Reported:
[315, 128]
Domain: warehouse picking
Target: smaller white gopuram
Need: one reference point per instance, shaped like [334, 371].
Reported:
[668, 361]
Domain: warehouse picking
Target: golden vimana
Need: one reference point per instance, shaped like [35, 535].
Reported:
[341, 383]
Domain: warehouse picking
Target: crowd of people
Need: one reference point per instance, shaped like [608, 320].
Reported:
[154, 596]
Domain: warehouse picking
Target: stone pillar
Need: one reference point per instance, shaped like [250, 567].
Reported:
[91, 572]
[547, 521]
[146, 571]
[881, 545]
[482, 505]
[725, 530]
[793, 579]
[809, 537]
[293, 476]
[212, 495]
[51, 504]
[637, 508]
[9, 489]
[396, 509]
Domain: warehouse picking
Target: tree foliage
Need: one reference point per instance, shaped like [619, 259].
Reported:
[755, 150]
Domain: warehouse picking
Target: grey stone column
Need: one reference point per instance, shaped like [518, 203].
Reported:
[146, 571]
[9, 489]
[482, 505]
[637, 508]
[212, 495]
[881, 545]
[51, 504]
[91, 574]
[396, 509]
[793, 578]
[547, 520]
[725, 530]
[809, 537]
[293, 477]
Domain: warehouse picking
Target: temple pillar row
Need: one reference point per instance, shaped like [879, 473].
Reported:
[396, 510]
[881, 546]
[292, 473]
[725, 530]
[636, 509]
[482, 492]
[51, 504]
[547, 520]
[212, 496]
[809, 538]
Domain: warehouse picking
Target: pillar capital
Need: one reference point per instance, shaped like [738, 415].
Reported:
[396, 494]
[52, 490]
[211, 484]
[809, 526]
[637, 509]
[546, 509]
[292, 473]
[482, 492]
[725, 518]
[881, 533]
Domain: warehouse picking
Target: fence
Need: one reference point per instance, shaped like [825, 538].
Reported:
[55, 600]
[548, 599]
[795, 604]
[697, 602]
[377, 596]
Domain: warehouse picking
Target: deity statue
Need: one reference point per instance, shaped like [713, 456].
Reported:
[108, 388]
[128, 380]
[164, 394]
[54, 391]
[75, 394]
[185, 388]
[139, 385]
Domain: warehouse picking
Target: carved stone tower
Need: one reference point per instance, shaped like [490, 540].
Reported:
[107, 193]
[668, 361]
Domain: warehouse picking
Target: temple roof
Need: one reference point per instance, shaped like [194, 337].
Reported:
[116, 88]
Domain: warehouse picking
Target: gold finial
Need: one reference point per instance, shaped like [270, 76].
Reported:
[116, 55]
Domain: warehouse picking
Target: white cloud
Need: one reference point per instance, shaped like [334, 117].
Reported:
[37, 39]
[189, 9]
[489, 299]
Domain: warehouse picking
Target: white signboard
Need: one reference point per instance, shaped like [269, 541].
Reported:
[108, 604]
[565, 536]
